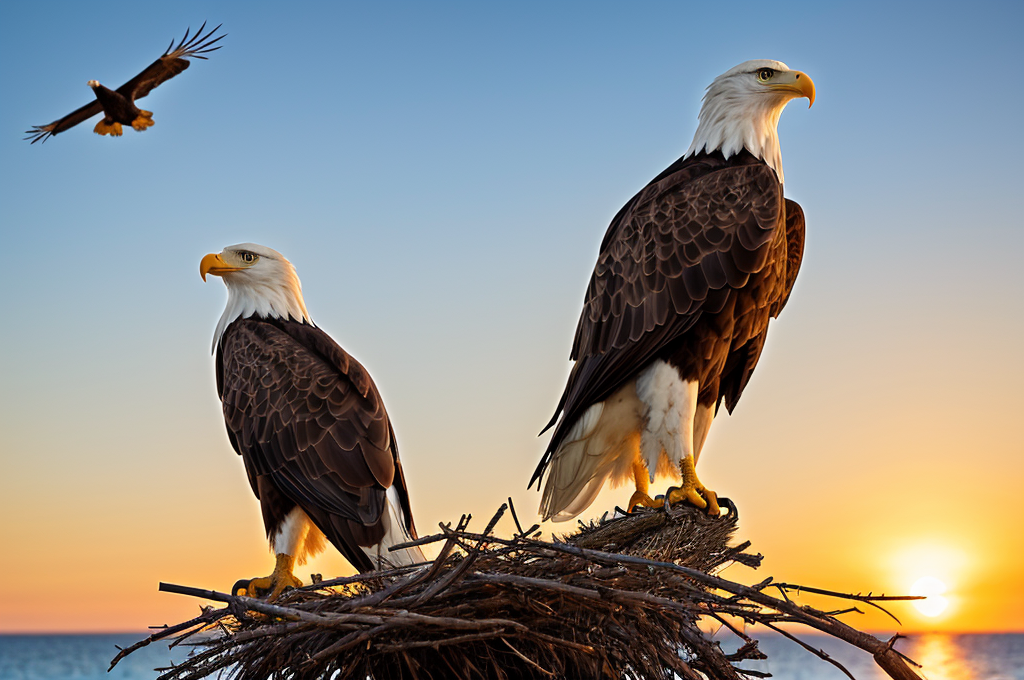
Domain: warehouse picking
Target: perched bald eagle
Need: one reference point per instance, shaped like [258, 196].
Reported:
[317, 444]
[690, 271]
[118, 106]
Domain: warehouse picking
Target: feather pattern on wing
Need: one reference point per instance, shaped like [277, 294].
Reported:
[673, 257]
[307, 417]
[172, 62]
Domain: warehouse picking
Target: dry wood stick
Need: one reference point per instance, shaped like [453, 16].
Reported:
[886, 657]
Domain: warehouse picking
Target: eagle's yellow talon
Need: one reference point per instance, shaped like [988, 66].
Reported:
[103, 128]
[692, 491]
[640, 498]
[272, 586]
[713, 508]
[691, 496]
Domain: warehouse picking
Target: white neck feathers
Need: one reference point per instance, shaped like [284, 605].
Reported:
[271, 290]
[736, 115]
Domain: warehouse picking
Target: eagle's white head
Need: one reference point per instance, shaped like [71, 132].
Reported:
[93, 84]
[260, 281]
[742, 107]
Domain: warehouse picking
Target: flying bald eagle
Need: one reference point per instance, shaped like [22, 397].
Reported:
[690, 271]
[317, 444]
[118, 106]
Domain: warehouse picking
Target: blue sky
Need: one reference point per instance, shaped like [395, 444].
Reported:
[441, 175]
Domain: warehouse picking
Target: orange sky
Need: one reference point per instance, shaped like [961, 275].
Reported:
[819, 520]
[444, 225]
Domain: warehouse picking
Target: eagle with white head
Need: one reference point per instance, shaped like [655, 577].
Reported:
[309, 423]
[690, 272]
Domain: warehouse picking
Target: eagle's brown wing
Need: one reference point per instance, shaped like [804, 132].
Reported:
[794, 251]
[306, 416]
[44, 132]
[171, 63]
[674, 252]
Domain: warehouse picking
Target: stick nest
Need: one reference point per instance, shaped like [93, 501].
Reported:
[618, 599]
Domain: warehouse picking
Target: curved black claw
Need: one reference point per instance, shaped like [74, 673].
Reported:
[668, 492]
[241, 587]
[638, 509]
[619, 513]
[724, 502]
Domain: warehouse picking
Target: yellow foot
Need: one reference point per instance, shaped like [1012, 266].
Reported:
[105, 128]
[143, 122]
[692, 491]
[271, 587]
[639, 498]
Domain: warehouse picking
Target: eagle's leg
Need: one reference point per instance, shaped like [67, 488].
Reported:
[108, 127]
[275, 583]
[692, 490]
[642, 480]
[143, 120]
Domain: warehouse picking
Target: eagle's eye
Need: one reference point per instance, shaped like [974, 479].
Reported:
[247, 257]
[765, 74]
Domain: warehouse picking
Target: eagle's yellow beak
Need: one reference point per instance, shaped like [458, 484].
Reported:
[796, 82]
[215, 264]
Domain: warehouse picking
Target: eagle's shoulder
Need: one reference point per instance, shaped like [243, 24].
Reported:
[697, 229]
[299, 335]
[291, 394]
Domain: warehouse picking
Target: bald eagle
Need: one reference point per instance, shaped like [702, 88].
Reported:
[118, 106]
[309, 423]
[689, 274]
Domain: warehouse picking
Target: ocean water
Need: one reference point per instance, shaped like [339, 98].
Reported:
[944, 657]
[81, 657]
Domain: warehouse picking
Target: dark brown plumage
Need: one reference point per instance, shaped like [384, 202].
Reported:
[690, 271]
[312, 430]
[118, 106]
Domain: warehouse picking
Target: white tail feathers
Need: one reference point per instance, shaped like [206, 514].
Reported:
[601, 445]
[650, 418]
[380, 554]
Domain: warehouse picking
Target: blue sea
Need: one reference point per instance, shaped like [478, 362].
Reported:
[944, 657]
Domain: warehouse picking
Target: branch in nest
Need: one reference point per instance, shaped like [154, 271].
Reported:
[620, 598]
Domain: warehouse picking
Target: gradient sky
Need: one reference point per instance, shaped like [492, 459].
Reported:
[441, 176]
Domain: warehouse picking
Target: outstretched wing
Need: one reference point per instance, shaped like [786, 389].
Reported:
[44, 132]
[172, 62]
[305, 414]
[675, 252]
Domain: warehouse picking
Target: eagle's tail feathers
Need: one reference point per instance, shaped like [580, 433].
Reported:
[396, 534]
[600, 446]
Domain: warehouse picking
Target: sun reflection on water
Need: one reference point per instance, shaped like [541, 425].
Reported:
[941, 657]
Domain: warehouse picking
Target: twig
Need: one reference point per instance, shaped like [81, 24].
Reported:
[618, 599]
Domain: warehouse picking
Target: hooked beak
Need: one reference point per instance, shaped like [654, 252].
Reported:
[215, 264]
[797, 83]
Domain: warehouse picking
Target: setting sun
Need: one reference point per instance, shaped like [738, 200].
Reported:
[932, 589]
